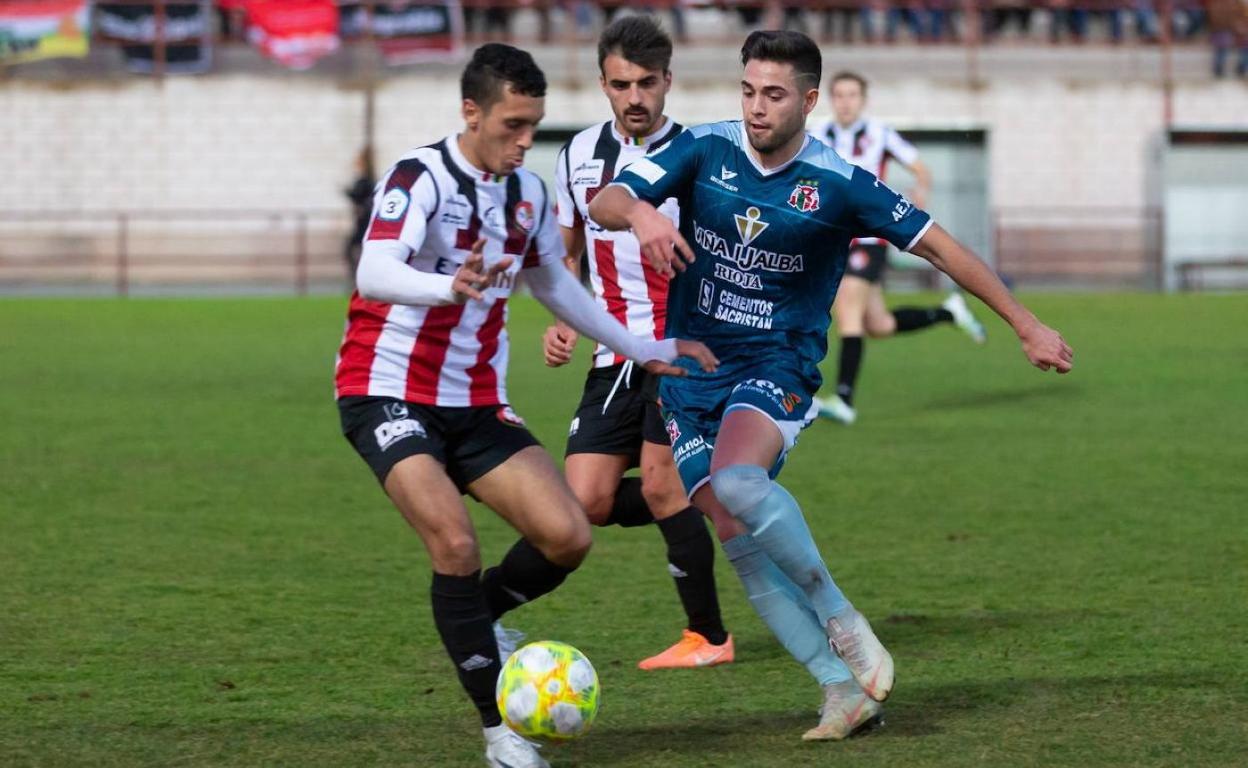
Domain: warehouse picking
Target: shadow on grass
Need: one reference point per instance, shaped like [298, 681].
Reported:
[918, 710]
[977, 399]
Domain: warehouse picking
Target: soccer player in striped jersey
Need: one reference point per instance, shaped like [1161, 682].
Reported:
[618, 424]
[421, 373]
[870, 144]
[767, 213]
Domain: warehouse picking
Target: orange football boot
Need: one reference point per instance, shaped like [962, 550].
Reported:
[693, 650]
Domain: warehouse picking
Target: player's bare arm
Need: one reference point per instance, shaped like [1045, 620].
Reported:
[1045, 348]
[660, 240]
[559, 341]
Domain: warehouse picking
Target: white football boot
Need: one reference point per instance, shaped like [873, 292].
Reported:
[846, 711]
[835, 409]
[962, 317]
[850, 637]
[504, 748]
[508, 640]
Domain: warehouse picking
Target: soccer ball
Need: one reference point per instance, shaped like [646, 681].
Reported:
[548, 690]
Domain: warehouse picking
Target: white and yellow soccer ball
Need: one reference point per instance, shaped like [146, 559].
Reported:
[548, 690]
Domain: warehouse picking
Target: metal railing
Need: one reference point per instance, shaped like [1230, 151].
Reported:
[287, 250]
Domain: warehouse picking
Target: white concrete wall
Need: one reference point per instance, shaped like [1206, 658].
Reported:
[285, 143]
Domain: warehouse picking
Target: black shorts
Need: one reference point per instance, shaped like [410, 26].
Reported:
[468, 441]
[867, 262]
[631, 416]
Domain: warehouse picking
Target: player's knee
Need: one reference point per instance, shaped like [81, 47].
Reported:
[455, 554]
[567, 543]
[597, 508]
[664, 494]
[740, 487]
[882, 327]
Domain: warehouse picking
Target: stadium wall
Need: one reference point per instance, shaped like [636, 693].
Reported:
[286, 143]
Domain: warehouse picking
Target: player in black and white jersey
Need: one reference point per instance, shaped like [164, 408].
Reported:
[860, 310]
[618, 424]
[421, 372]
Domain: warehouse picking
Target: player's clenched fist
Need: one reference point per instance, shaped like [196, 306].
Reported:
[558, 344]
[472, 277]
[1045, 348]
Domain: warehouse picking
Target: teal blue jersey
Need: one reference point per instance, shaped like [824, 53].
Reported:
[770, 245]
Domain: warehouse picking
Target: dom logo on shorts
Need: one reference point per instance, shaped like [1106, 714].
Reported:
[399, 426]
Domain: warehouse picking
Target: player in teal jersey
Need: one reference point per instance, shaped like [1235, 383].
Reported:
[767, 214]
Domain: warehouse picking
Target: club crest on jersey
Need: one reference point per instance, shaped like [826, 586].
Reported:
[524, 215]
[508, 416]
[805, 196]
[750, 225]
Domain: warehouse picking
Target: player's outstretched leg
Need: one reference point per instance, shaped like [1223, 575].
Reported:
[783, 606]
[777, 525]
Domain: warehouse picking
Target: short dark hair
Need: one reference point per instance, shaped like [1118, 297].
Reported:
[845, 74]
[494, 64]
[785, 47]
[639, 39]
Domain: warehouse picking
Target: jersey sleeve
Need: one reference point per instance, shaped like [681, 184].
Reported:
[905, 152]
[875, 210]
[546, 247]
[403, 203]
[565, 204]
[668, 172]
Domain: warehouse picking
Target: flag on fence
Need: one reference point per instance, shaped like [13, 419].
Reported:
[408, 32]
[43, 29]
[294, 33]
[185, 30]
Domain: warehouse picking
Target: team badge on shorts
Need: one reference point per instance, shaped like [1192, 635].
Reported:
[524, 215]
[805, 197]
[673, 431]
[858, 259]
[508, 416]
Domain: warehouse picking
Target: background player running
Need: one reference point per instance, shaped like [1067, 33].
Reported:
[859, 309]
[771, 211]
[421, 372]
[617, 424]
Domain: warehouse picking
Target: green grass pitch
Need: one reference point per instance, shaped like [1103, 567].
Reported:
[196, 570]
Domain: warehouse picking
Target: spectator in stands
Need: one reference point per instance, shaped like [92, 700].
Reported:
[1228, 26]
[1002, 13]
[912, 13]
[360, 193]
[850, 13]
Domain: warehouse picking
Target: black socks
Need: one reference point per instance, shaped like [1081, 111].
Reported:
[847, 372]
[915, 318]
[463, 620]
[525, 574]
[691, 561]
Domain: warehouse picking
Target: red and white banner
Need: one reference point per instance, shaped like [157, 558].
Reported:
[294, 33]
[42, 29]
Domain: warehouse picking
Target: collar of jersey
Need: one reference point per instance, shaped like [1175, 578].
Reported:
[749, 154]
[478, 175]
[854, 127]
[644, 141]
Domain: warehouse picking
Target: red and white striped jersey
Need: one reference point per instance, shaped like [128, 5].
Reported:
[624, 283]
[868, 144]
[438, 205]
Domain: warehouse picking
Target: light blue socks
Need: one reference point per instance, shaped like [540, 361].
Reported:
[783, 606]
[775, 521]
